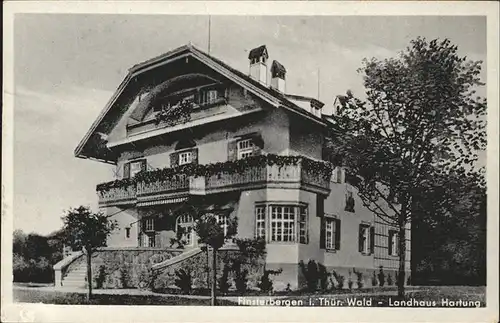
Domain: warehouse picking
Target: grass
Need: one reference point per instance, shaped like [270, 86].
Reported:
[64, 298]
[425, 295]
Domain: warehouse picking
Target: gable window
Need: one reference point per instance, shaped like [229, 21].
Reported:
[366, 239]
[209, 96]
[332, 234]
[132, 168]
[185, 157]
[349, 202]
[245, 148]
[393, 242]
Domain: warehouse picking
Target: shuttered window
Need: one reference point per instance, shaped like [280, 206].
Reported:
[393, 242]
[132, 168]
[366, 239]
[332, 234]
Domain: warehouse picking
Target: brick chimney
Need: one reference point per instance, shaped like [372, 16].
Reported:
[258, 64]
[278, 73]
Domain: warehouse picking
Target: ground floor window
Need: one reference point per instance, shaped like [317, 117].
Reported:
[148, 240]
[184, 227]
[285, 223]
[332, 234]
[366, 238]
[393, 243]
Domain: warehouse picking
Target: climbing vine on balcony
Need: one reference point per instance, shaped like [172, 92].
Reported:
[230, 167]
[175, 114]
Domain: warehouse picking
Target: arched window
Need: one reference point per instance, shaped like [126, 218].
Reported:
[185, 223]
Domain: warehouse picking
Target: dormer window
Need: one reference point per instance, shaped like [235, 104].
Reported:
[185, 157]
[246, 148]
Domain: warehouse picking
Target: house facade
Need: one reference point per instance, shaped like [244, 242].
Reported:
[186, 125]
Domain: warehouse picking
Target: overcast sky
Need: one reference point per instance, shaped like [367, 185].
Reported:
[68, 66]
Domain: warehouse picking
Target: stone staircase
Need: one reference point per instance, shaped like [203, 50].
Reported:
[76, 278]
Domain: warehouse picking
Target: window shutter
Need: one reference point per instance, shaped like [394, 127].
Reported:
[337, 234]
[174, 159]
[360, 238]
[194, 156]
[372, 240]
[391, 233]
[320, 206]
[144, 165]
[126, 170]
[232, 151]
[322, 233]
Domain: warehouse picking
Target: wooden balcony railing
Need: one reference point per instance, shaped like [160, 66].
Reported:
[300, 174]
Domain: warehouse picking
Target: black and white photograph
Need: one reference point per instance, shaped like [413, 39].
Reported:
[266, 160]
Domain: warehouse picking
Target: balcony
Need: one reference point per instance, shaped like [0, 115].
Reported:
[252, 173]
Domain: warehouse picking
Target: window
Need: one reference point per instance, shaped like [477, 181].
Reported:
[303, 238]
[185, 224]
[148, 224]
[332, 234]
[127, 232]
[283, 223]
[286, 223]
[185, 157]
[148, 240]
[132, 168]
[260, 226]
[338, 175]
[393, 242]
[208, 96]
[245, 148]
[366, 239]
[349, 202]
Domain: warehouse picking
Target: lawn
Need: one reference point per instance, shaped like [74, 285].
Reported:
[453, 296]
[57, 297]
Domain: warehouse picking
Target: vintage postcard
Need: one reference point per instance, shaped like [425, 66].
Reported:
[257, 161]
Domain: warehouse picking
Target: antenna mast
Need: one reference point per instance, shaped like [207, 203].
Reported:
[209, 25]
[318, 82]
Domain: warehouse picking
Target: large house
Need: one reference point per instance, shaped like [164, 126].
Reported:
[186, 125]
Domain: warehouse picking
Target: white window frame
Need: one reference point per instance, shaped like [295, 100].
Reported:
[185, 157]
[366, 239]
[260, 221]
[302, 223]
[186, 222]
[282, 220]
[330, 233]
[134, 164]
[149, 225]
[245, 148]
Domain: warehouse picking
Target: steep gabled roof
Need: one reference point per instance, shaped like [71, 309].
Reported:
[110, 115]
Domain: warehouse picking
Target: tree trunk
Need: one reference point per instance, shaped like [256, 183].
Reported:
[402, 250]
[214, 276]
[208, 269]
[89, 275]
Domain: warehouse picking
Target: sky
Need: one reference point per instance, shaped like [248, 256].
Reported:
[67, 66]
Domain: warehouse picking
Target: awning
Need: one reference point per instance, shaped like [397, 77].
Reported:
[162, 201]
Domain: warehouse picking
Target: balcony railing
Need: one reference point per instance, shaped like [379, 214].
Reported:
[278, 171]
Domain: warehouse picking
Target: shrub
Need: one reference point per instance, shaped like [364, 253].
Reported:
[224, 280]
[101, 277]
[183, 280]
[266, 284]
[381, 276]
[124, 277]
[359, 278]
[339, 278]
[311, 274]
[389, 280]
[374, 279]
[323, 277]
[240, 278]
